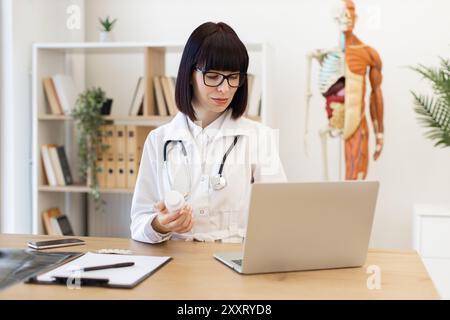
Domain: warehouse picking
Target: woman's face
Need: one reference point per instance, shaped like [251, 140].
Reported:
[213, 99]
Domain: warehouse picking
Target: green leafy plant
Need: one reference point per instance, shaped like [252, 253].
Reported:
[434, 112]
[107, 24]
[87, 114]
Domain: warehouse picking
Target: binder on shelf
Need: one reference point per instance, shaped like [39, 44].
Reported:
[159, 97]
[121, 151]
[101, 172]
[101, 162]
[110, 157]
[131, 156]
[141, 135]
[66, 90]
[52, 97]
[138, 98]
[64, 163]
[48, 168]
[136, 136]
[56, 165]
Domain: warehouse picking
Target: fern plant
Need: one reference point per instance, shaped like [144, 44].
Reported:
[107, 24]
[434, 112]
[87, 114]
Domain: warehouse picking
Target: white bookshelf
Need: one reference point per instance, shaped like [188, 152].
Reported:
[114, 66]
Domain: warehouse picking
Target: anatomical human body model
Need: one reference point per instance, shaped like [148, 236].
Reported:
[342, 81]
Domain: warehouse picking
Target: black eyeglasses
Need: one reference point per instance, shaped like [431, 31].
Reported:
[215, 79]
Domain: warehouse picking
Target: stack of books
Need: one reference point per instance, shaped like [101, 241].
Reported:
[61, 93]
[56, 165]
[164, 93]
[55, 223]
[164, 88]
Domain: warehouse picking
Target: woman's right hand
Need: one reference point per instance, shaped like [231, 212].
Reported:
[179, 221]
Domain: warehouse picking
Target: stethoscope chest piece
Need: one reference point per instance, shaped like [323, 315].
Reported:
[218, 182]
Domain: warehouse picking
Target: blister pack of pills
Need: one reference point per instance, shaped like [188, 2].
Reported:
[114, 251]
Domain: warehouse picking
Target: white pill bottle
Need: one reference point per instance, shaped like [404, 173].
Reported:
[174, 201]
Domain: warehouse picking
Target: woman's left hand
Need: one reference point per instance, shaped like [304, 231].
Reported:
[186, 224]
[179, 221]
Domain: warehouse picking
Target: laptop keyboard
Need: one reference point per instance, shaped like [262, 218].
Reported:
[238, 262]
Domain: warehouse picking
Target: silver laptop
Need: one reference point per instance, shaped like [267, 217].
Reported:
[306, 226]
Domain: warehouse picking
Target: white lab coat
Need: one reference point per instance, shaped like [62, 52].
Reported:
[218, 214]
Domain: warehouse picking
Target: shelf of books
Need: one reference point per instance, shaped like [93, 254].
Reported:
[139, 82]
[81, 188]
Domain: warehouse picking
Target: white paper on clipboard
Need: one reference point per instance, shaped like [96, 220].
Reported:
[126, 277]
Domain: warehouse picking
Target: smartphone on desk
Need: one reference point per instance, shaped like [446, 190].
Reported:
[48, 244]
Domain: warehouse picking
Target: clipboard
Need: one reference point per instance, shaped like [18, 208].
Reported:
[69, 274]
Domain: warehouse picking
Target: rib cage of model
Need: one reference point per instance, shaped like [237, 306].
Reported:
[342, 81]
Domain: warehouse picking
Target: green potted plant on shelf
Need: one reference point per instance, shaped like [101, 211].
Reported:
[106, 26]
[434, 112]
[88, 118]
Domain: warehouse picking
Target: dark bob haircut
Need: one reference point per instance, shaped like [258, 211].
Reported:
[212, 46]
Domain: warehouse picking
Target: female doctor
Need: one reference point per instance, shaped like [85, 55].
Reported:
[208, 152]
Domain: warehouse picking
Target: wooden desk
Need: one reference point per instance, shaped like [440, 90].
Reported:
[195, 274]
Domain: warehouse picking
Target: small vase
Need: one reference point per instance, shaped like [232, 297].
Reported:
[106, 36]
[106, 107]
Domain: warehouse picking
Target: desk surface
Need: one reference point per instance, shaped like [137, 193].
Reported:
[195, 274]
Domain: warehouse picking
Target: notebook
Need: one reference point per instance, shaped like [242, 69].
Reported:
[126, 277]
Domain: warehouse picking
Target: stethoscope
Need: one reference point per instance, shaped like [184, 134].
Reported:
[218, 181]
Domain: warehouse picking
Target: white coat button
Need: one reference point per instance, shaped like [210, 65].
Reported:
[203, 212]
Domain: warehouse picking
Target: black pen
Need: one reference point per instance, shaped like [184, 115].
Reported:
[108, 266]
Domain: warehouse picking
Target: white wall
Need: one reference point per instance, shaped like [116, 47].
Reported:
[31, 21]
[2, 28]
[6, 88]
[404, 33]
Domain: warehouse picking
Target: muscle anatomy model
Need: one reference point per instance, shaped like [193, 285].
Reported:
[342, 81]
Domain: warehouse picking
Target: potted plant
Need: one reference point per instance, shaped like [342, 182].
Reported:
[434, 112]
[88, 118]
[106, 26]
